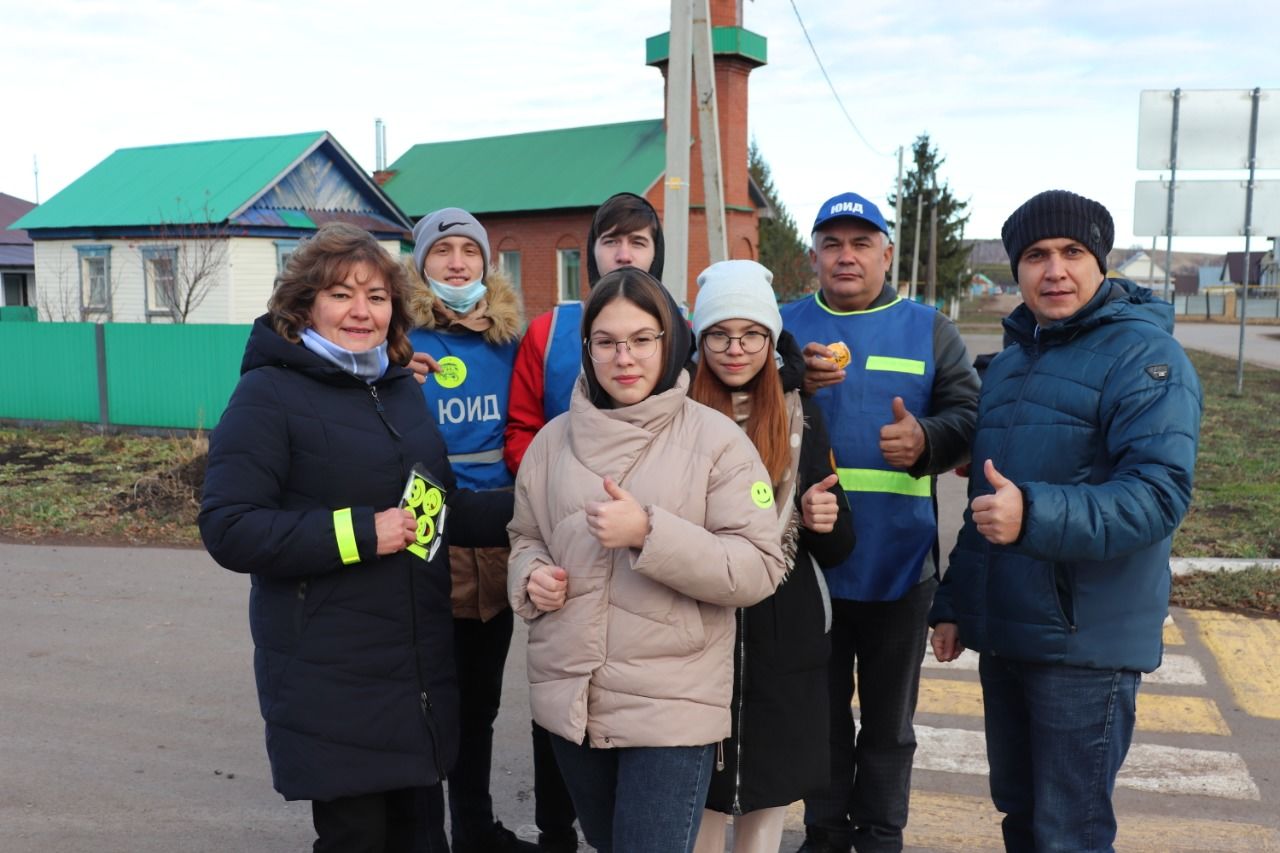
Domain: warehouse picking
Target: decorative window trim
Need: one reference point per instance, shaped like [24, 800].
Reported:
[152, 299]
[284, 248]
[85, 254]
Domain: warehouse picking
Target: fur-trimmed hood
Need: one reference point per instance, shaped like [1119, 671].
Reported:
[503, 305]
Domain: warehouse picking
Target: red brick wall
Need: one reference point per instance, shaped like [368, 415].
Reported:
[537, 236]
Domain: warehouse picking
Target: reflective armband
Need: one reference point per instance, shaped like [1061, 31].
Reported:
[345, 533]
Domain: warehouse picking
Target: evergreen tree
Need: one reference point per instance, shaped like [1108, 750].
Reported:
[781, 247]
[953, 252]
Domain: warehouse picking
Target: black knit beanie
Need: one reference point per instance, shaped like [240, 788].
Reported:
[1058, 213]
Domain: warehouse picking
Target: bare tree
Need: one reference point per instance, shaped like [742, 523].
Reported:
[184, 278]
[60, 297]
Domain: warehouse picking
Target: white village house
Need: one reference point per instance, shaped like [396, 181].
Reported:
[195, 232]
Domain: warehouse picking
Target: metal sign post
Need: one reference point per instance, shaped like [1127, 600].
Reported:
[1248, 233]
[1173, 179]
[1211, 130]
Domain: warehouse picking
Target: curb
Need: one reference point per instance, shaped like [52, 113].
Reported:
[1186, 565]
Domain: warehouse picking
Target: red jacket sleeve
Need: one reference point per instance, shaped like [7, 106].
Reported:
[524, 408]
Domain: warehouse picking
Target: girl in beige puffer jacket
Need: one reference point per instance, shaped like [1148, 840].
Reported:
[642, 520]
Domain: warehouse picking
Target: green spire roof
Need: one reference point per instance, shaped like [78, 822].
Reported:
[572, 167]
[184, 183]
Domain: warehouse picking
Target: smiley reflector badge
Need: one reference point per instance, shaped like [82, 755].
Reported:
[762, 494]
[453, 372]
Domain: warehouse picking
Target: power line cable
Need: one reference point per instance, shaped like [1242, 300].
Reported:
[834, 93]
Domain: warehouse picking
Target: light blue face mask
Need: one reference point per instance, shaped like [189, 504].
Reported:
[459, 299]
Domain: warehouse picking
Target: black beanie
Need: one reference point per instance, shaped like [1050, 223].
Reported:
[1058, 213]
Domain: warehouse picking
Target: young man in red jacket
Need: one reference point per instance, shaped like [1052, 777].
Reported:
[625, 232]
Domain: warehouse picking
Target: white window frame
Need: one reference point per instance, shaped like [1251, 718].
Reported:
[158, 300]
[569, 283]
[91, 281]
[510, 264]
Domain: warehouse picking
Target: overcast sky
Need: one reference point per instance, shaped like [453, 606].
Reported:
[1019, 96]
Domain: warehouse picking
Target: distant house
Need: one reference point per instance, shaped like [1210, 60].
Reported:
[17, 255]
[1232, 269]
[1139, 267]
[195, 232]
[535, 193]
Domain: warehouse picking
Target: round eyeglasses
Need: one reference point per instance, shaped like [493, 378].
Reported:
[642, 344]
[751, 342]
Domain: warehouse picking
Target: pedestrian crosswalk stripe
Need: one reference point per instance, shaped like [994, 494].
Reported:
[1173, 634]
[1245, 650]
[1174, 669]
[1157, 712]
[1149, 767]
[968, 824]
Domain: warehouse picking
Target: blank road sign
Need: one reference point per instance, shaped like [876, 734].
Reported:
[1213, 128]
[1205, 208]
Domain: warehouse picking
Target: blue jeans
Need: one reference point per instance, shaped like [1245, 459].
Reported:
[645, 799]
[1056, 737]
[876, 646]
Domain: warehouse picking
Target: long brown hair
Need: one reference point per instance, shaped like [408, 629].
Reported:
[324, 260]
[646, 293]
[766, 425]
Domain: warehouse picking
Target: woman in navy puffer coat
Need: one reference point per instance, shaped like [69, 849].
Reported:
[352, 633]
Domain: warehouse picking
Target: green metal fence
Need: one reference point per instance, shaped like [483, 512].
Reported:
[123, 374]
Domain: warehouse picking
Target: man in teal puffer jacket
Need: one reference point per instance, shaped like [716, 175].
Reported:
[1082, 462]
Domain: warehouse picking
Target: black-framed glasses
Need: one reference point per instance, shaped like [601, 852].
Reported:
[642, 344]
[751, 342]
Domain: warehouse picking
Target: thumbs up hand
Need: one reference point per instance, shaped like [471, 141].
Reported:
[820, 507]
[998, 516]
[902, 440]
[620, 521]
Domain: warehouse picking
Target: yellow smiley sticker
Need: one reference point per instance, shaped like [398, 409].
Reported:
[453, 372]
[432, 500]
[762, 494]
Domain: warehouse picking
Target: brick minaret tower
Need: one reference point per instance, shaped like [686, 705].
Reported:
[736, 52]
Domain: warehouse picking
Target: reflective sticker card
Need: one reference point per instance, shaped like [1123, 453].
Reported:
[424, 497]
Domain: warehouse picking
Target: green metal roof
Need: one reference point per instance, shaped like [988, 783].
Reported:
[724, 40]
[172, 184]
[571, 167]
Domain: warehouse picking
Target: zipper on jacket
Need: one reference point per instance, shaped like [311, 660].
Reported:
[382, 413]
[741, 674]
[424, 698]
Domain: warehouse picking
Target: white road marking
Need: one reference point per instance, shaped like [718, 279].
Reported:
[1159, 769]
[1175, 669]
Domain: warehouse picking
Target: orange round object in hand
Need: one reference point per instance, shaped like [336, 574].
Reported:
[840, 354]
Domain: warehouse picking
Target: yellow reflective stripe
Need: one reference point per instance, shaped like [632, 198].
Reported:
[897, 365]
[876, 480]
[345, 533]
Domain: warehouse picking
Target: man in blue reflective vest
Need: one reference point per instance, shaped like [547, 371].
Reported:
[468, 321]
[900, 410]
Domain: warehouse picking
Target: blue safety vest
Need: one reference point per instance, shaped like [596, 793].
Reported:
[562, 361]
[468, 400]
[893, 513]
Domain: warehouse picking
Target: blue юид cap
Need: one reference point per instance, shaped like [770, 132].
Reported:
[850, 206]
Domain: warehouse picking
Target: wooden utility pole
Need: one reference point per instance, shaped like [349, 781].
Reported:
[704, 74]
[931, 294]
[897, 223]
[675, 196]
[915, 246]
